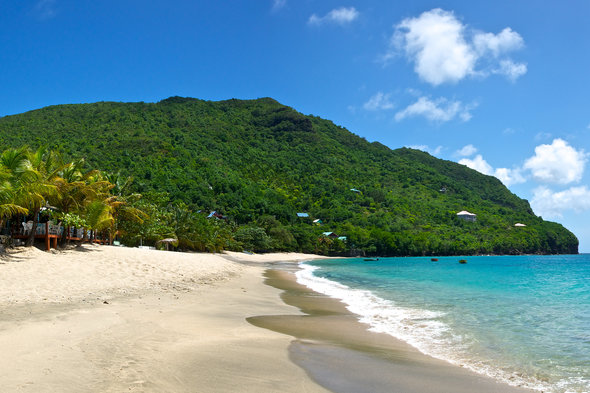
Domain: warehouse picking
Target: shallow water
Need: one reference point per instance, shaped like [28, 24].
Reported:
[524, 320]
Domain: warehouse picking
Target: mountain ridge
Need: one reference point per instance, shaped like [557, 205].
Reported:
[255, 159]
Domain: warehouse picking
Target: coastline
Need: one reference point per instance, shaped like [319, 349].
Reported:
[111, 319]
[339, 353]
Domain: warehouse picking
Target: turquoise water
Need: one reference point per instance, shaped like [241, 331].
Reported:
[524, 320]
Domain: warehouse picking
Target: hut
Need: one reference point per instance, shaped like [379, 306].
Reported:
[465, 215]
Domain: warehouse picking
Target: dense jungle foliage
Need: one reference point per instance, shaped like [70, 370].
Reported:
[258, 163]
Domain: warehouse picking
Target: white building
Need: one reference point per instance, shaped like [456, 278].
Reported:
[465, 215]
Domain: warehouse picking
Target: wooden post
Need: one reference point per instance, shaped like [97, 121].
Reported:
[47, 243]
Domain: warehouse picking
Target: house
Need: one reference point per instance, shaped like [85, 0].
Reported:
[216, 215]
[302, 215]
[317, 221]
[518, 224]
[465, 215]
[342, 238]
[331, 235]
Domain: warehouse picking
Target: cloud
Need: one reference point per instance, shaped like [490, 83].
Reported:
[479, 164]
[467, 150]
[511, 70]
[551, 204]
[278, 4]
[505, 175]
[496, 44]
[339, 16]
[440, 110]
[427, 149]
[379, 101]
[557, 163]
[509, 176]
[444, 51]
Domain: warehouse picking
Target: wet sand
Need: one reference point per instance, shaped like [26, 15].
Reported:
[339, 353]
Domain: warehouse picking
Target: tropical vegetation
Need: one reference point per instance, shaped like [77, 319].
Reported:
[154, 171]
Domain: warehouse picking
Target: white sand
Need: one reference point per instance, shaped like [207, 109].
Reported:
[172, 322]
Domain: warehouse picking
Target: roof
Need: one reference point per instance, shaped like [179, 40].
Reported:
[328, 234]
[302, 215]
[518, 224]
[466, 213]
[355, 190]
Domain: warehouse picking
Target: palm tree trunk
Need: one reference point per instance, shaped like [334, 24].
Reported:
[31, 240]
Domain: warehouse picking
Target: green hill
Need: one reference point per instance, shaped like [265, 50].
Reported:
[260, 163]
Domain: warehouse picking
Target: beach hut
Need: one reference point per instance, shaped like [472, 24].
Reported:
[465, 215]
[167, 242]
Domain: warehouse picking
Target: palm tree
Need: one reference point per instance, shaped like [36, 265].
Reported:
[34, 179]
[75, 190]
[120, 203]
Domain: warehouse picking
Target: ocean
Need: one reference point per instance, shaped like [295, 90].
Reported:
[524, 320]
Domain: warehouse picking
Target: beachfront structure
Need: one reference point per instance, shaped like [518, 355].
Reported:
[518, 224]
[465, 215]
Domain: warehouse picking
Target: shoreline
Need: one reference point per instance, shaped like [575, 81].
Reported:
[340, 353]
[109, 319]
[112, 319]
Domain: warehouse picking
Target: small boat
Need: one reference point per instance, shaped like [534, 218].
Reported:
[434, 259]
[462, 261]
[371, 259]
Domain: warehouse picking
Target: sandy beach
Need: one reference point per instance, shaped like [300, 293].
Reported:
[112, 319]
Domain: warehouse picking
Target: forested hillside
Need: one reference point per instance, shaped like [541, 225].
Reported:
[259, 163]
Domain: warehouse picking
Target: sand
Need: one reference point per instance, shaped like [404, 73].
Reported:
[114, 319]
[110, 319]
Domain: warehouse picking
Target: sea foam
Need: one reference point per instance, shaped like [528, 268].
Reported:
[421, 328]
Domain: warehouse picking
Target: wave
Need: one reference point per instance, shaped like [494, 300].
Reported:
[422, 329]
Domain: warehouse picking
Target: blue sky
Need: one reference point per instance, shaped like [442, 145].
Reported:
[499, 86]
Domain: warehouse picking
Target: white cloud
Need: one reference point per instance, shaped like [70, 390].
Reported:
[479, 164]
[509, 176]
[467, 150]
[379, 101]
[439, 110]
[427, 149]
[442, 49]
[557, 163]
[511, 70]
[496, 44]
[340, 16]
[551, 204]
[505, 175]
[278, 4]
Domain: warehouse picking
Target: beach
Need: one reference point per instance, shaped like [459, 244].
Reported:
[113, 319]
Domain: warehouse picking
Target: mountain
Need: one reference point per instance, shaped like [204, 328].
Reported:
[259, 163]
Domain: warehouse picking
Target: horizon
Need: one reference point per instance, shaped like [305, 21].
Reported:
[497, 87]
